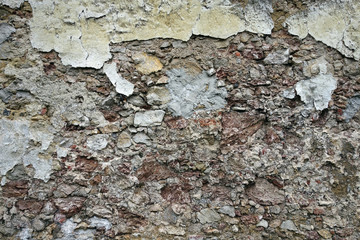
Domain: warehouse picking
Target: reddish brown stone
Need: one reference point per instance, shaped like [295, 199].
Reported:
[237, 127]
[82, 163]
[249, 219]
[276, 181]
[153, 171]
[131, 219]
[125, 168]
[265, 193]
[313, 235]
[17, 188]
[176, 122]
[69, 206]
[34, 206]
[177, 193]
[319, 211]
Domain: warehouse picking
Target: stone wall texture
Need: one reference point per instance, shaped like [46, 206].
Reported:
[181, 119]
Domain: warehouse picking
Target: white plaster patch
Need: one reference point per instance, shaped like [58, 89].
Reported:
[122, 86]
[316, 92]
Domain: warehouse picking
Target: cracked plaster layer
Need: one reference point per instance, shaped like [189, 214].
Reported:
[15, 138]
[81, 31]
[335, 23]
[12, 3]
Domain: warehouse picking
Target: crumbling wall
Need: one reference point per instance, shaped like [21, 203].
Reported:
[179, 119]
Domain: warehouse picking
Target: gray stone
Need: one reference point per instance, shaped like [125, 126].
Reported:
[316, 92]
[228, 210]
[169, 216]
[97, 142]
[191, 93]
[208, 215]
[263, 223]
[165, 45]
[137, 101]
[289, 93]
[254, 73]
[288, 225]
[5, 31]
[275, 209]
[142, 138]
[5, 95]
[278, 57]
[179, 44]
[149, 118]
[100, 223]
[122, 85]
[38, 225]
[352, 108]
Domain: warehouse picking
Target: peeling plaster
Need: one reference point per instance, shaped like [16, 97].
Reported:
[12, 3]
[16, 139]
[122, 86]
[81, 31]
[335, 23]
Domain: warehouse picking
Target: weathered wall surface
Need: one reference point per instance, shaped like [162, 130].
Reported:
[187, 119]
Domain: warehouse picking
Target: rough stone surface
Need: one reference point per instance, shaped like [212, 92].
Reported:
[242, 157]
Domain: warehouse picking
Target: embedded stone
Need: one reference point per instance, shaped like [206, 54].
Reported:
[288, 225]
[208, 215]
[265, 193]
[149, 118]
[69, 206]
[97, 142]
[228, 210]
[147, 64]
[142, 138]
[158, 96]
[278, 57]
[124, 140]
